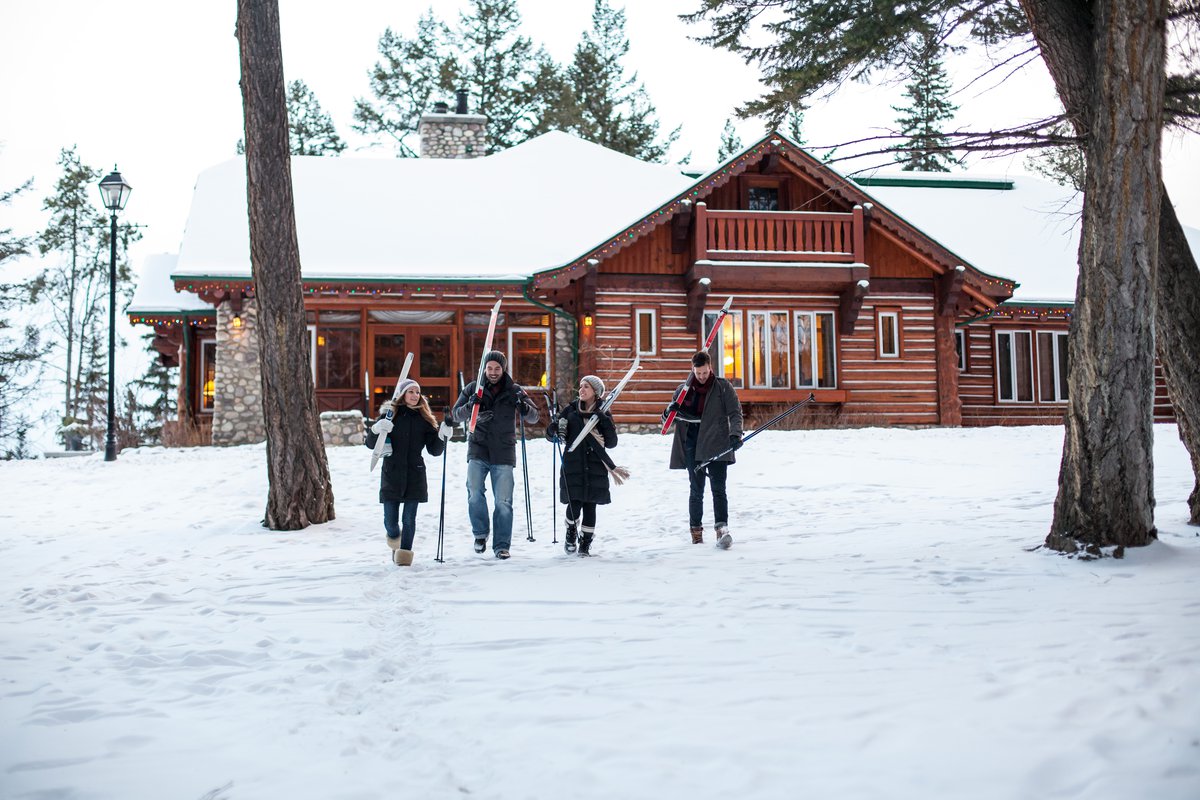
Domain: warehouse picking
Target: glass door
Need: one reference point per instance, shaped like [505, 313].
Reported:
[387, 343]
[433, 366]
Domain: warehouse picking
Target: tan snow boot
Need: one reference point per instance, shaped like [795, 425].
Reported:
[393, 542]
[404, 558]
[697, 535]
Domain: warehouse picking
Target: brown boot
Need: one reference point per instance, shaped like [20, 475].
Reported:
[404, 558]
[697, 535]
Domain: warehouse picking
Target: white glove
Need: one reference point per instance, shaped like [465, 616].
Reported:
[383, 426]
[445, 431]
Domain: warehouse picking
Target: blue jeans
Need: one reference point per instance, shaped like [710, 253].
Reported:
[391, 522]
[477, 510]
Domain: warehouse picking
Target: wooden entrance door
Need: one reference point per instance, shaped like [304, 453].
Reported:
[435, 350]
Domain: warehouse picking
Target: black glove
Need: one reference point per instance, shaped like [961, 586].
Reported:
[735, 441]
[673, 407]
[472, 400]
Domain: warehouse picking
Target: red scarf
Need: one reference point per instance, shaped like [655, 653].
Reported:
[699, 393]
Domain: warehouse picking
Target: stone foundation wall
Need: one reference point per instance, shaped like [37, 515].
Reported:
[566, 374]
[237, 407]
[342, 428]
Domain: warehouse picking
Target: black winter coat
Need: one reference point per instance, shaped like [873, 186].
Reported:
[584, 477]
[495, 436]
[403, 477]
[721, 418]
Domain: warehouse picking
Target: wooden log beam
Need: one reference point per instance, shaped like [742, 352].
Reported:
[680, 225]
[950, 290]
[851, 305]
[769, 164]
[590, 280]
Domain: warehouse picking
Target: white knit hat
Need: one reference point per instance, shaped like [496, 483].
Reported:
[404, 386]
[596, 384]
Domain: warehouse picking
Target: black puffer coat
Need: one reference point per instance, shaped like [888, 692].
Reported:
[584, 477]
[495, 436]
[403, 477]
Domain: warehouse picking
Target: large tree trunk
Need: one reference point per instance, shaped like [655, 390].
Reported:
[1064, 34]
[1106, 480]
[1177, 335]
[299, 492]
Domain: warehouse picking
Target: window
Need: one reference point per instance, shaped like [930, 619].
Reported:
[763, 198]
[337, 355]
[1014, 366]
[529, 356]
[645, 328]
[726, 350]
[770, 350]
[960, 347]
[816, 342]
[208, 375]
[887, 325]
[1053, 354]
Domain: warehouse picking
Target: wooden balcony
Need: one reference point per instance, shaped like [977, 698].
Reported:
[780, 236]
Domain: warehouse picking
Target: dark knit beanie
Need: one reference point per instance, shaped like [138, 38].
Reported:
[498, 357]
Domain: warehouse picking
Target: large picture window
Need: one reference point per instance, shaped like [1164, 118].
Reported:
[726, 350]
[770, 350]
[208, 375]
[1053, 356]
[1014, 366]
[816, 350]
[529, 356]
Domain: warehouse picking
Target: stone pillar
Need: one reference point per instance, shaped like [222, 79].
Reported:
[237, 407]
[566, 370]
[453, 135]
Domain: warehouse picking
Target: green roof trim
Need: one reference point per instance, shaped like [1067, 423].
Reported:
[1001, 184]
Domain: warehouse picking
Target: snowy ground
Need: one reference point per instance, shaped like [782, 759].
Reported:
[878, 630]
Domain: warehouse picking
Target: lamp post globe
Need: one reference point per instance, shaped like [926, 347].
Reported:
[115, 193]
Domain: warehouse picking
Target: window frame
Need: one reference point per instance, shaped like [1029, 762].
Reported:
[738, 382]
[206, 346]
[748, 338]
[637, 332]
[512, 353]
[814, 328]
[1013, 333]
[880, 315]
[1057, 340]
[961, 340]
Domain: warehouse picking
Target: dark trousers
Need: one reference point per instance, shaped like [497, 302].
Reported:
[587, 509]
[716, 473]
[392, 522]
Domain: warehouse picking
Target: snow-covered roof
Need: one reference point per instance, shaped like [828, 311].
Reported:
[505, 216]
[155, 293]
[1016, 226]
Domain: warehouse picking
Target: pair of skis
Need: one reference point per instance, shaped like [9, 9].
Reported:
[377, 452]
[708, 340]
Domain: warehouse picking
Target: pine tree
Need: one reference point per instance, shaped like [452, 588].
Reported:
[498, 68]
[925, 147]
[610, 108]
[310, 130]
[159, 383]
[21, 352]
[405, 82]
[731, 145]
[76, 286]
[794, 124]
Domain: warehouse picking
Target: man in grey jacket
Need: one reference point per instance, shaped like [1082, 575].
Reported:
[707, 422]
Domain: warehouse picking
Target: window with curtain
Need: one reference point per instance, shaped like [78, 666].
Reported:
[770, 350]
[816, 350]
[726, 350]
[1052, 366]
[1014, 366]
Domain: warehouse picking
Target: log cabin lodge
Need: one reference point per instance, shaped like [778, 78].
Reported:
[901, 299]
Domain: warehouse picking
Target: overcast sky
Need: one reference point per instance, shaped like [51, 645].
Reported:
[152, 87]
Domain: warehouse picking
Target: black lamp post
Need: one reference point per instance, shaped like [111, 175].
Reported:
[115, 192]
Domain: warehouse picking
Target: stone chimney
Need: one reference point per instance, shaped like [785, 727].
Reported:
[457, 134]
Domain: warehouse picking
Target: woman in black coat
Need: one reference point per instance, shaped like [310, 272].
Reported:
[402, 479]
[583, 480]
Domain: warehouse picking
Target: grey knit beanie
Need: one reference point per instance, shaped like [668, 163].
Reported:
[596, 384]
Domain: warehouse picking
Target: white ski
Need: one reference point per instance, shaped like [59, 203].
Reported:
[379, 443]
[605, 405]
[487, 348]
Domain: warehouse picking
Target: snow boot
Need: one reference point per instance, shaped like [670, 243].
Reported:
[480, 544]
[502, 555]
[572, 534]
[393, 542]
[585, 540]
[724, 540]
[403, 558]
[697, 535]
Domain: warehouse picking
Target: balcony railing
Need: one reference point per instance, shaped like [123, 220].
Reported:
[797, 236]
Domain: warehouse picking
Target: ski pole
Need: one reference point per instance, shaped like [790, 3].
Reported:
[441, 552]
[525, 470]
[811, 397]
[553, 409]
